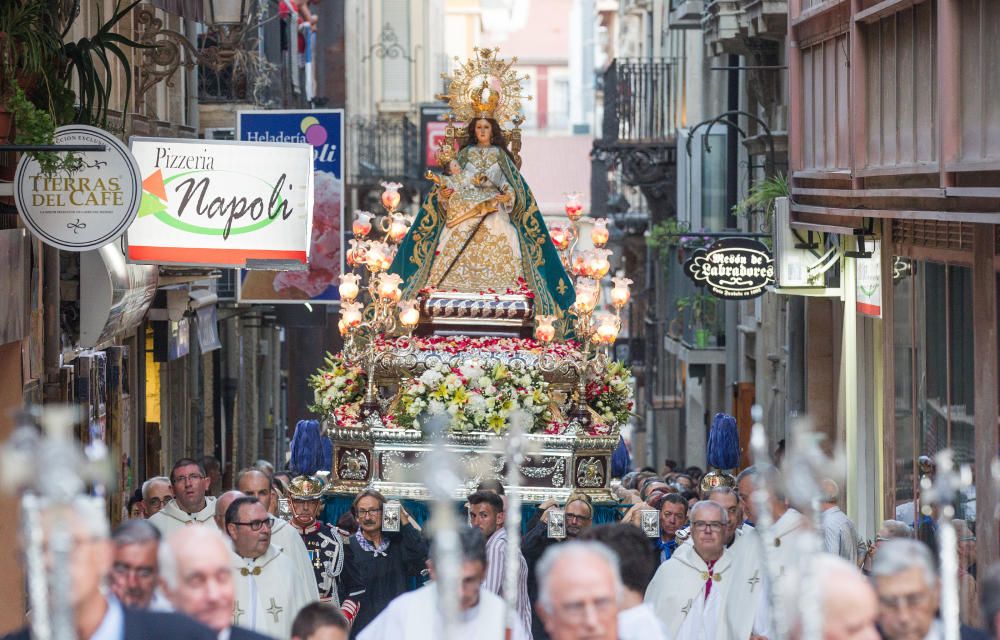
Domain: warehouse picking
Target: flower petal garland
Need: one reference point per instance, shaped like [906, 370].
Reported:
[475, 396]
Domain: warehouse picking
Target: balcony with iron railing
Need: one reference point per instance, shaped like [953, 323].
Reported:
[641, 101]
[386, 147]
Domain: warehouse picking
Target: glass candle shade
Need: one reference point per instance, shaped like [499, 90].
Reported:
[390, 195]
[388, 287]
[561, 237]
[574, 208]
[409, 314]
[398, 228]
[362, 225]
[350, 314]
[599, 232]
[378, 257]
[620, 294]
[608, 327]
[349, 286]
[545, 331]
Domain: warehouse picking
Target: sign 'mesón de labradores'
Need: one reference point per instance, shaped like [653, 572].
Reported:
[732, 268]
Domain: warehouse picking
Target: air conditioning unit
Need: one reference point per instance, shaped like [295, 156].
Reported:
[792, 260]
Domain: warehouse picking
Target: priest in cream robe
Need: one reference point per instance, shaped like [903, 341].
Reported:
[703, 592]
[190, 505]
[269, 589]
[257, 484]
[790, 529]
[417, 615]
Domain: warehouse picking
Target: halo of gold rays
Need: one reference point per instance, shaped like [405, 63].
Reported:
[485, 85]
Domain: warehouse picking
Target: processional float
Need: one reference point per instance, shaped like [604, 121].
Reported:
[476, 357]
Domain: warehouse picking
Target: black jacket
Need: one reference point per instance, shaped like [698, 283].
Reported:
[239, 633]
[149, 625]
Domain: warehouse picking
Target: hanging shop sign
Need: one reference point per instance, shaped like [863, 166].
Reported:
[222, 203]
[83, 207]
[869, 282]
[732, 268]
[323, 131]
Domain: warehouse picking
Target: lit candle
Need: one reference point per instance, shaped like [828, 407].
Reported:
[599, 232]
[620, 294]
[356, 254]
[598, 265]
[350, 314]
[388, 287]
[586, 295]
[409, 314]
[342, 326]
[574, 208]
[607, 328]
[377, 257]
[362, 224]
[349, 286]
[580, 263]
[390, 197]
[398, 227]
[544, 329]
[560, 237]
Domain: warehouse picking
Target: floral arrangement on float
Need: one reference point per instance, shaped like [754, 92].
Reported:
[479, 398]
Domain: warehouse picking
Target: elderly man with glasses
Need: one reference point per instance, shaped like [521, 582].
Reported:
[700, 591]
[190, 504]
[906, 581]
[269, 589]
[156, 494]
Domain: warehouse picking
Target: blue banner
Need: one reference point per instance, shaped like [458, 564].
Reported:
[324, 130]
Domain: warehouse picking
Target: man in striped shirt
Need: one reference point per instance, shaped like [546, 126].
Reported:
[486, 513]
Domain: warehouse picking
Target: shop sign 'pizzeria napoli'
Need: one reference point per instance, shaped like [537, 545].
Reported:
[218, 203]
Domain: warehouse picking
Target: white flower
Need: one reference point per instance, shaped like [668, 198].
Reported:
[431, 378]
[436, 407]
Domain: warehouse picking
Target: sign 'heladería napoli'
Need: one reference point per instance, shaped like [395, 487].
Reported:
[222, 203]
[732, 268]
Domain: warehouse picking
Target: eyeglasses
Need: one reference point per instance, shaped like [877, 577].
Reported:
[156, 502]
[191, 479]
[701, 525]
[907, 600]
[577, 610]
[122, 569]
[255, 525]
[369, 512]
[573, 516]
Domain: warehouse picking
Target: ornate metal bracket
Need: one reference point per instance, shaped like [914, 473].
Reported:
[166, 50]
[387, 46]
[648, 166]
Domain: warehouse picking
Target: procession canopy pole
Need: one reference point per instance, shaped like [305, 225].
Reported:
[806, 470]
[515, 450]
[764, 523]
[947, 483]
[442, 481]
[45, 500]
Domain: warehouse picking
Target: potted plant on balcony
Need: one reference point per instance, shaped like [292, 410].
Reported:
[38, 73]
[704, 315]
[762, 196]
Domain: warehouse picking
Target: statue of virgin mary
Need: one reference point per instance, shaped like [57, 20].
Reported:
[480, 228]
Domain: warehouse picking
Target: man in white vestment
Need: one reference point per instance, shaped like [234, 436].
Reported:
[701, 593]
[580, 591]
[790, 528]
[417, 615]
[190, 504]
[197, 580]
[269, 588]
[257, 485]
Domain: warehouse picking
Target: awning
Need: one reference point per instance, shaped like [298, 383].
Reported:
[114, 295]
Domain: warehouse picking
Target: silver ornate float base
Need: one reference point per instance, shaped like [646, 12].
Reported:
[390, 461]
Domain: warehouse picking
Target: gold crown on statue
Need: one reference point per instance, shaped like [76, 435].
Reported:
[485, 86]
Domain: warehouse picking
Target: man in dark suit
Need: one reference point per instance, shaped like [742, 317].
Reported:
[197, 579]
[906, 581]
[96, 615]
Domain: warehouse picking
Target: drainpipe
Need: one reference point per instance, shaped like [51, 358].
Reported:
[52, 350]
[731, 374]
[849, 376]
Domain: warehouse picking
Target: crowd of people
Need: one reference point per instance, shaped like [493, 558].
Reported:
[262, 560]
